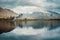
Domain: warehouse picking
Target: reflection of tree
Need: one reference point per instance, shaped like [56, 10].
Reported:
[20, 24]
[25, 20]
[41, 24]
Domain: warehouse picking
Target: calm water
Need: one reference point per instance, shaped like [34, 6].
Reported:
[32, 30]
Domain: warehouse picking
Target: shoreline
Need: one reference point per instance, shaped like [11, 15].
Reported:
[2, 19]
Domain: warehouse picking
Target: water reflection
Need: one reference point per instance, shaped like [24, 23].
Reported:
[34, 30]
[39, 24]
[6, 26]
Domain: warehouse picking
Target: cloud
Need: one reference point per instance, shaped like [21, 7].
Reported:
[43, 3]
[27, 9]
[13, 3]
[40, 3]
[53, 5]
[23, 6]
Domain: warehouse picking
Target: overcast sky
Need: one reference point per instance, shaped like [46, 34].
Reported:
[29, 6]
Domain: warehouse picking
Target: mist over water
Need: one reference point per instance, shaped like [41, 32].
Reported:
[34, 30]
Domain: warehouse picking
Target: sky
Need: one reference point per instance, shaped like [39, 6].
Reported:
[29, 6]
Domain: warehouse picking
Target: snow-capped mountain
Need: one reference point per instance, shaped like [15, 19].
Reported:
[41, 15]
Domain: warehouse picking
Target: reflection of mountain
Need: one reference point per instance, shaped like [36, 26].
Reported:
[6, 26]
[41, 15]
[39, 24]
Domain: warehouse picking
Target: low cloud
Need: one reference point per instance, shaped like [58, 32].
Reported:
[27, 9]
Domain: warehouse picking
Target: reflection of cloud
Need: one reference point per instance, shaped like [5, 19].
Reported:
[28, 31]
[29, 34]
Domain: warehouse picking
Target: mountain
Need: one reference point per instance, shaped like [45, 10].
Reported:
[55, 14]
[41, 15]
[6, 13]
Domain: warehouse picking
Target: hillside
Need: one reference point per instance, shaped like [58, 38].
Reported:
[41, 15]
[6, 13]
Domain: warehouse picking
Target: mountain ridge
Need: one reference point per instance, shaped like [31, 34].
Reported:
[41, 15]
[6, 13]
